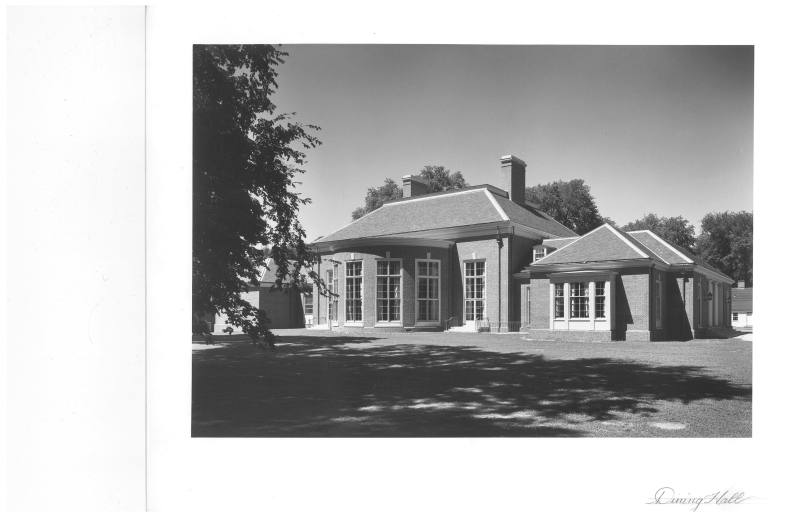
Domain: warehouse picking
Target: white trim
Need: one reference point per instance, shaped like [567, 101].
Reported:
[427, 323]
[666, 243]
[634, 247]
[388, 323]
[502, 213]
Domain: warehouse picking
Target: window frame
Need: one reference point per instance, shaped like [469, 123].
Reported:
[483, 298]
[601, 284]
[438, 277]
[657, 302]
[587, 295]
[346, 292]
[399, 275]
[563, 298]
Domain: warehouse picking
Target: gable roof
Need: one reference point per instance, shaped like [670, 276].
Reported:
[741, 300]
[605, 243]
[464, 207]
[666, 250]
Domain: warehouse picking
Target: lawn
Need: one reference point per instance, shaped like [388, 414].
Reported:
[323, 384]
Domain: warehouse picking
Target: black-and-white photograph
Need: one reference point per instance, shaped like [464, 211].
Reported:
[472, 240]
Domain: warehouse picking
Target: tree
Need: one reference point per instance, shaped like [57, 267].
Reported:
[726, 243]
[245, 160]
[570, 203]
[377, 196]
[676, 229]
[438, 179]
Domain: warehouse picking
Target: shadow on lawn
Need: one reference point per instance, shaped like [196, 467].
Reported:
[317, 386]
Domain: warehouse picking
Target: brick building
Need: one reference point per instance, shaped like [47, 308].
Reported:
[285, 306]
[482, 258]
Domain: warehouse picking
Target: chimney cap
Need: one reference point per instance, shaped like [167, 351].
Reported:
[512, 159]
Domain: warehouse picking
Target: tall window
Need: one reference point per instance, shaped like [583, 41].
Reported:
[735, 317]
[657, 304]
[558, 300]
[427, 291]
[474, 284]
[353, 286]
[578, 300]
[389, 298]
[599, 299]
[308, 303]
[333, 302]
[539, 253]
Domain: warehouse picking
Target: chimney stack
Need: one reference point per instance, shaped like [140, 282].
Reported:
[513, 170]
[413, 186]
[740, 284]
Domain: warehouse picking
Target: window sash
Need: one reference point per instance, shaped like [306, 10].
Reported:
[428, 290]
[474, 290]
[354, 283]
[578, 300]
[600, 300]
[558, 301]
[388, 290]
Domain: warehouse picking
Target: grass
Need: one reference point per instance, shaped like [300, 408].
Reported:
[322, 384]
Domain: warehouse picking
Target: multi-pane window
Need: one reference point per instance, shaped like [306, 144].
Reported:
[600, 299]
[333, 302]
[308, 303]
[558, 300]
[427, 291]
[578, 300]
[657, 304]
[354, 281]
[474, 284]
[389, 298]
[735, 317]
[539, 253]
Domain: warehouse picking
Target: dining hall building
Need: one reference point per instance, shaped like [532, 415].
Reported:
[482, 258]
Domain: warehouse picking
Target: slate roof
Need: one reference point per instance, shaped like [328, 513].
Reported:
[470, 206]
[742, 300]
[558, 242]
[604, 243]
[608, 243]
[669, 253]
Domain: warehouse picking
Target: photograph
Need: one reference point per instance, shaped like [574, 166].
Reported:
[472, 240]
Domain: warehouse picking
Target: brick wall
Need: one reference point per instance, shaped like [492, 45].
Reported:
[633, 303]
[485, 249]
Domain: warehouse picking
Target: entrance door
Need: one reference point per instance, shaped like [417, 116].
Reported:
[474, 292]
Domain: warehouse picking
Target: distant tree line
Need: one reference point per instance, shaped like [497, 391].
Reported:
[725, 241]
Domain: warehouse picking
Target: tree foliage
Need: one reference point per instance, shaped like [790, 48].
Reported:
[246, 157]
[675, 229]
[438, 179]
[726, 243]
[569, 202]
[377, 196]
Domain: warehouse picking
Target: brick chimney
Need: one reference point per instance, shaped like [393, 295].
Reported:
[413, 186]
[513, 170]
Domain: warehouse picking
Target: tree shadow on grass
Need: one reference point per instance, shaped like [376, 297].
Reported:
[329, 386]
